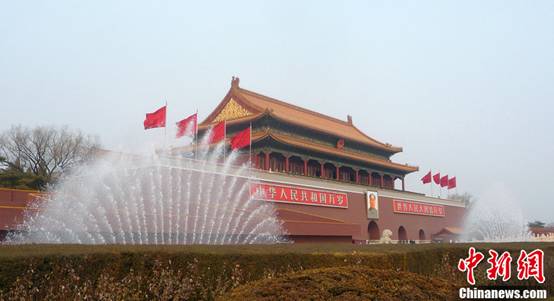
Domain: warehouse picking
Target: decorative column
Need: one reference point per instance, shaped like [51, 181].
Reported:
[287, 169]
[306, 167]
[266, 161]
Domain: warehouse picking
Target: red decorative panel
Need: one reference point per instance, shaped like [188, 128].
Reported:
[407, 207]
[298, 195]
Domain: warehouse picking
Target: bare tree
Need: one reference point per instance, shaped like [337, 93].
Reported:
[466, 198]
[44, 151]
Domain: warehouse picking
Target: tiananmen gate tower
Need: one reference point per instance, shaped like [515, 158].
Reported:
[327, 179]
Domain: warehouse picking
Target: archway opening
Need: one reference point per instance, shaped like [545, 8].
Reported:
[373, 230]
[402, 235]
[421, 234]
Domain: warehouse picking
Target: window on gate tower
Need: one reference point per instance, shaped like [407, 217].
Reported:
[277, 162]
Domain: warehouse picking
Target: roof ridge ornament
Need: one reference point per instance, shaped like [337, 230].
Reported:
[349, 119]
[235, 82]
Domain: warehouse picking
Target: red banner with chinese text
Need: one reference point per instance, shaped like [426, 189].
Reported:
[407, 207]
[298, 195]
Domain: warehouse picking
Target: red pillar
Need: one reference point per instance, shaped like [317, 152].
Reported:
[306, 167]
[338, 175]
[256, 161]
[370, 178]
[381, 181]
[287, 164]
[357, 176]
[322, 173]
[266, 161]
[403, 187]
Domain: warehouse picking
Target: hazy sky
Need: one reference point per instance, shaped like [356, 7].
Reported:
[465, 87]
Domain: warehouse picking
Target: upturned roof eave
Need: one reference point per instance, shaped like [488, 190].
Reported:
[272, 114]
[257, 111]
[267, 133]
[344, 154]
[373, 141]
[244, 119]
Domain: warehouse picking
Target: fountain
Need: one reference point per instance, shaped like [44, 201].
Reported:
[496, 217]
[122, 199]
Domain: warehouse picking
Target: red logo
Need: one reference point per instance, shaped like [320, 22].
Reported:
[531, 265]
[470, 263]
[528, 265]
[500, 266]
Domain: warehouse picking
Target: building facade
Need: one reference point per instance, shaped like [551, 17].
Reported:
[328, 180]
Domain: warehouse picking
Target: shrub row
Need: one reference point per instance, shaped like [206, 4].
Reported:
[194, 273]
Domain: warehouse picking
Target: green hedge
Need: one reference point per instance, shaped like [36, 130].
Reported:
[205, 272]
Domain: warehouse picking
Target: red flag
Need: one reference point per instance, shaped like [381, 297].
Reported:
[452, 183]
[241, 139]
[437, 178]
[427, 178]
[156, 119]
[184, 126]
[217, 133]
[444, 181]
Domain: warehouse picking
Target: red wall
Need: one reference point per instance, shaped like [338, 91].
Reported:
[302, 221]
[356, 214]
[13, 203]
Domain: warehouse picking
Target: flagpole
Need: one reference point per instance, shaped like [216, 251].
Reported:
[431, 188]
[165, 127]
[224, 140]
[196, 136]
[250, 151]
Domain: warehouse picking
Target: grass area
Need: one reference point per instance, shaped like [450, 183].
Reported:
[202, 272]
